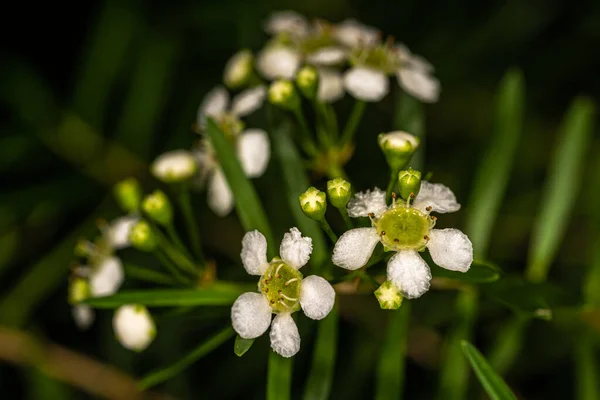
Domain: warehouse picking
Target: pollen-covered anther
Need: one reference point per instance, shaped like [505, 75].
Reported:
[396, 240]
[382, 233]
[428, 208]
[426, 237]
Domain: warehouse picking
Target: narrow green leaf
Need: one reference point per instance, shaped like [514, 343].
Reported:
[169, 298]
[156, 377]
[247, 204]
[508, 344]
[494, 170]
[296, 183]
[279, 377]
[148, 275]
[389, 381]
[586, 368]
[480, 272]
[562, 187]
[493, 384]
[320, 380]
[591, 286]
[242, 345]
[409, 118]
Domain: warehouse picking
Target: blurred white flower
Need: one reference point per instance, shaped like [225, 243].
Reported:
[83, 316]
[282, 291]
[106, 276]
[134, 327]
[407, 230]
[238, 69]
[331, 85]
[352, 33]
[275, 62]
[174, 166]
[286, 21]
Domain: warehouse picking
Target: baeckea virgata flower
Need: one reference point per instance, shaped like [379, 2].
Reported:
[282, 291]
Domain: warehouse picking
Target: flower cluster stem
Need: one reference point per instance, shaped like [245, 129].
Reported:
[190, 220]
[171, 267]
[307, 142]
[353, 121]
[391, 185]
[327, 228]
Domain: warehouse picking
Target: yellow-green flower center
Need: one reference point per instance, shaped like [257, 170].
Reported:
[281, 284]
[403, 228]
[381, 58]
[230, 125]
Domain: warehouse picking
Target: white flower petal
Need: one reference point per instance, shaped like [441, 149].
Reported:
[174, 166]
[118, 231]
[366, 84]
[278, 62]
[285, 338]
[254, 152]
[450, 249]
[410, 273]
[413, 61]
[295, 249]
[437, 196]
[83, 316]
[134, 327]
[251, 315]
[354, 248]
[316, 297]
[353, 34]
[327, 56]
[220, 197]
[248, 101]
[106, 277]
[254, 253]
[419, 84]
[364, 203]
[286, 21]
[331, 85]
[214, 104]
[206, 162]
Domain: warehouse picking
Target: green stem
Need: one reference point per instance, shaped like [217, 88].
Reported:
[174, 236]
[172, 268]
[344, 212]
[306, 140]
[179, 258]
[327, 228]
[148, 275]
[391, 185]
[353, 121]
[336, 171]
[186, 207]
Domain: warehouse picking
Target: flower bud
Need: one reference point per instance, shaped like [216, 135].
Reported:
[313, 203]
[158, 207]
[142, 237]
[128, 194]
[389, 296]
[174, 166]
[238, 69]
[398, 148]
[282, 93]
[307, 80]
[409, 182]
[134, 327]
[79, 290]
[339, 192]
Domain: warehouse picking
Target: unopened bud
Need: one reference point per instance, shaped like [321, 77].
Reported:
[142, 237]
[409, 183]
[158, 207]
[307, 80]
[313, 203]
[174, 166]
[79, 290]
[128, 194]
[134, 327]
[238, 69]
[389, 296]
[398, 148]
[282, 93]
[339, 191]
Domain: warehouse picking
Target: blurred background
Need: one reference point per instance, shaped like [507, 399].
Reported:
[91, 92]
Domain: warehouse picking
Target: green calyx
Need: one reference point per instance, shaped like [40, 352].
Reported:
[281, 284]
[409, 183]
[389, 296]
[158, 207]
[339, 191]
[404, 228]
[142, 237]
[382, 58]
[313, 203]
[128, 194]
[307, 80]
[282, 93]
[79, 290]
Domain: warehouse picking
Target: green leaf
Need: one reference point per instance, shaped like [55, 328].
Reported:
[493, 384]
[480, 272]
[242, 345]
[320, 380]
[148, 275]
[169, 298]
[586, 368]
[562, 187]
[296, 183]
[494, 170]
[279, 377]
[163, 374]
[391, 365]
[247, 204]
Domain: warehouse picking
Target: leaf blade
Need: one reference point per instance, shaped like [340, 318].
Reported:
[320, 380]
[279, 377]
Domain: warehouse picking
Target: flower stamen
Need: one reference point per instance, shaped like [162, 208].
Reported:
[291, 280]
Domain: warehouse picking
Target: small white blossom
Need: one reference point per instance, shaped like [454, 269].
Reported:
[134, 327]
[174, 166]
[287, 21]
[117, 232]
[106, 276]
[275, 62]
[352, 33]
[366, 84]
[407, 230]
[331, 85]
[282, 291]
[238, 69]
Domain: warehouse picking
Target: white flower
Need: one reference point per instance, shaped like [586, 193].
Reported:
[352, 33]
[134, 327]
[174, 166]
[415, 76]
[331, 85]
[238, 69]
[366, 84]
[106, 276]
[405, 229]
[282, 291]
[117, 233]
[275, 62]
[252, 145]
[286, 22]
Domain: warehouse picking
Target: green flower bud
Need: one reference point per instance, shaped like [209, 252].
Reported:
[398, 148]
[389, 296]
[79, 290]
[307, 80]
[128, 194]
[313, 203]
[158, 207]
[409, 182]
[142, 237]
[282, 93]
[238, 69]
[339, 192]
